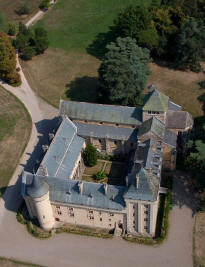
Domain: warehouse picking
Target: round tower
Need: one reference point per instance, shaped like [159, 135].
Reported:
[39, 191]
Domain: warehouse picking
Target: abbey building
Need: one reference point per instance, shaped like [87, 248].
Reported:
[150, 136]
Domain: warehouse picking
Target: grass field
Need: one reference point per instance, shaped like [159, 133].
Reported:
[5, 262]
[8, 8]
[15, 127]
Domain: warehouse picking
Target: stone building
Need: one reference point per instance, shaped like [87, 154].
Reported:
[57, 195]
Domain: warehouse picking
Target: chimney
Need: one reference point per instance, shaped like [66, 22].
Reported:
[80, 187]
[105, 188]
[51, 136]
[137, 180]
[45, 148]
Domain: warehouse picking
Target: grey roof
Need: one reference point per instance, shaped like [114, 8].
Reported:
[170, 138]
[99, 112]
[149, 154]
[173, 106]
[93, 195]
[178, 119]
[156, 101]
[63, 151]
[148, 185]
[37, 188]
[153, 125]
[103, 131]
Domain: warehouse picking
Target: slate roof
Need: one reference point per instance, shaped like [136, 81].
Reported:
[99, 112]
[156, 101]
[63, 151]
[93, 195]
[37, 188]
[149, 153]
[153, 125]
[170, 138]
[103, 131]
[178, 119]
[148, 185]
[173, 106]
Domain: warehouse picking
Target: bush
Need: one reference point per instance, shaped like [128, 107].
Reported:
[28, 53]
[23, 10]
[44, 4]
[11, 29]
[100, 175]
[13, 78]
[90, 155]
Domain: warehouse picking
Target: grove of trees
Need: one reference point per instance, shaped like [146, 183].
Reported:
[124, 72]
[31, 43]
[164, 27]
[8, 71]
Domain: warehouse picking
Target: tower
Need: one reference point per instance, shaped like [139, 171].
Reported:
[38, 190]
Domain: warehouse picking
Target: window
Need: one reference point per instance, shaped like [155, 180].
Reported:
[70, 212]
[90, 211]
[57, 207]
[110, 225]
[100, 219]
[111, 214]
[57, 219]
[133, 214]
[133, 126]
[101, 122]
[43, 216]
[145, 212]
[109, 220]
[146, 219]
[100, 141]
[100, 212]
[117, 124]
[59, 212]
[145, 227]
[146, 206]
[115, 142]
[86, 121]
[133, 222]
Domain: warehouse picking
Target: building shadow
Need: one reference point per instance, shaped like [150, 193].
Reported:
[83, 89]
[12, 194]
[98, 46]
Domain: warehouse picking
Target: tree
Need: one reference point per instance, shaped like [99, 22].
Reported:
[191, 44]
[11, 29]
[90, 155]
[44, 4]
[23, 10]
[41, 40]
[124, 72]
[8, 60]
[28, 53]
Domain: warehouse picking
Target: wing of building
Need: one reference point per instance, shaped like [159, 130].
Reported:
[150, 136]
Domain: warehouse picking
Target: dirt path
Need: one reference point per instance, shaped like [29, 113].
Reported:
[36, 17]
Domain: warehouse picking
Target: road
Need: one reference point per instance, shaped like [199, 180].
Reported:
[77, 251]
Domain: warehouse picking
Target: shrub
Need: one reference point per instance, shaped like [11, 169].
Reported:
[100, 175]
[90, 155]
[28, 53]
[44, 4]
[11, 29]
[13, 78]
[23, 10]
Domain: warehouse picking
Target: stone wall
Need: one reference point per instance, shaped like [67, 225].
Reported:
[88, 216]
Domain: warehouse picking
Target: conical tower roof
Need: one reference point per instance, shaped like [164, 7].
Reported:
[37, 188]
[156, 101]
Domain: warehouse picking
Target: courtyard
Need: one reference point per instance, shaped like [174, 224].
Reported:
[114, 170]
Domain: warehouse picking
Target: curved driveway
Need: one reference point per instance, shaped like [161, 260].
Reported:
[77, 251]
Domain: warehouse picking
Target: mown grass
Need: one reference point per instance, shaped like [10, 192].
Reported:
[74, 25]
[15, 128]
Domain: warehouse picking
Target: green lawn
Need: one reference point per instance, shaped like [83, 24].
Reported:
[74, 24]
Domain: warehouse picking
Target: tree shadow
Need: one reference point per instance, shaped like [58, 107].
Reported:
[98, 47]
[83, 89]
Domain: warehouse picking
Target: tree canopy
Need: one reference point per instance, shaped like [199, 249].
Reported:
[31, 43]
[8, 60]
[190, 48]
[124, 72]
[90, 155]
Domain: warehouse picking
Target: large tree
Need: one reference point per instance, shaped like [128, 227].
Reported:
[135, 22]
[190, 47]
[124, 72]
[8, 60]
